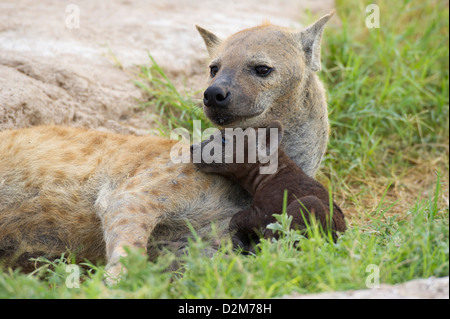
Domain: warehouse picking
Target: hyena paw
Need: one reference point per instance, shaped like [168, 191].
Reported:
[114, 273]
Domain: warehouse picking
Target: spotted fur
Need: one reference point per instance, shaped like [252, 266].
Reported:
[93, 193]
[291, 93]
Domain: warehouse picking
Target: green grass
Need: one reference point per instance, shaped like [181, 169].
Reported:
[402, 249]
[387, 164]
[388, 100]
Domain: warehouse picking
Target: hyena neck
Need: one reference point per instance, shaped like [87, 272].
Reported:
[305, 121]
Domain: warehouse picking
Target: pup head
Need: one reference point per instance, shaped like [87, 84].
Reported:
[257, 68]
[235, 152]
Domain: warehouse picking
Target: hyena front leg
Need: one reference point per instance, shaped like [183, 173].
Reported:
[127, 221]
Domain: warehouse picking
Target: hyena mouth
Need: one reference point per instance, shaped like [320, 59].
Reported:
[224, 119]
[221, 120]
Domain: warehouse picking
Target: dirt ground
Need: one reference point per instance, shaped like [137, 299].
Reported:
[430, 288]
[56, 62]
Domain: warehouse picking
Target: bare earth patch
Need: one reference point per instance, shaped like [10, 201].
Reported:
[430, 288]
[52, 73]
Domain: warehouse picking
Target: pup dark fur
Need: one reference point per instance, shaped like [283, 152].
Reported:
[305, 194]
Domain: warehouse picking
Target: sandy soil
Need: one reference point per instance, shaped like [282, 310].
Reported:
[53, 70]
[430, 288]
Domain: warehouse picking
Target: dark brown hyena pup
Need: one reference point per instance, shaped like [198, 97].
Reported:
[306, 196]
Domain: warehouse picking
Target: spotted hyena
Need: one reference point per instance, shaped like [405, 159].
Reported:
[94, 193]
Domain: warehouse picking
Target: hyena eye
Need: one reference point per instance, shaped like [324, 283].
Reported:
[262, 70]
[213, 70]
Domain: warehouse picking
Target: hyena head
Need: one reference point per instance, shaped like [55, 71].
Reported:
[236, 153]
[257, 70]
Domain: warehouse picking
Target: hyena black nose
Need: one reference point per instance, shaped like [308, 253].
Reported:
[216, 96]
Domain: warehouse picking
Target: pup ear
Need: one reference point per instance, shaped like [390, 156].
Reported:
[310, 40]
[275, 124]
[212, 41]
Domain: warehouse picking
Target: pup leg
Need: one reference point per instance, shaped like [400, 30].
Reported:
[311, 205]
[246, 226]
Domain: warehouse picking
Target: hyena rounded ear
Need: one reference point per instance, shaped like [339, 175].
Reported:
[310, 40]
[212, 41]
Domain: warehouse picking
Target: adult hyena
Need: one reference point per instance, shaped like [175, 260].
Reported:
[94, 193]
